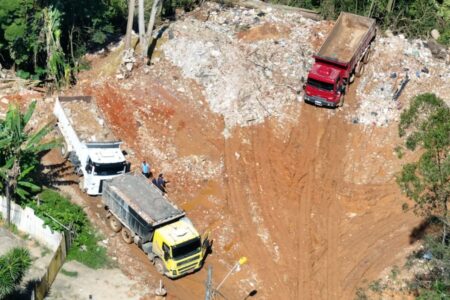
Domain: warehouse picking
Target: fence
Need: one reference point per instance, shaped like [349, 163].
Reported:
[27, 222]
[43, 285]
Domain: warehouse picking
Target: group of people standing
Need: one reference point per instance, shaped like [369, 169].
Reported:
[160, 182]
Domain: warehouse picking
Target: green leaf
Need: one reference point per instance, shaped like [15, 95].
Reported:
[29, 113]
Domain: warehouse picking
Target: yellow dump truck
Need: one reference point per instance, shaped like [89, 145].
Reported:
[145, 216]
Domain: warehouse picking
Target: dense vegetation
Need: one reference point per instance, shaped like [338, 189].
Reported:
[13, 266]
[415, 18]
[46, 39]
[425, 127]
[85, 249]
[20, 150]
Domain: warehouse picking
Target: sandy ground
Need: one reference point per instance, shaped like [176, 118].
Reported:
[312, 203]
[310, 199]
[86, 283]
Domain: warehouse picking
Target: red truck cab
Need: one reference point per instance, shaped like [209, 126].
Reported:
[324, 85]
[341, 57]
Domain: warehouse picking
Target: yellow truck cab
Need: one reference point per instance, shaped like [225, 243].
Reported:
[179, 246]
[148, 218]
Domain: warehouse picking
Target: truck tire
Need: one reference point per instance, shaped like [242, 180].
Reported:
[127, 236]
[367, 55]
[159, 265]
[115, 224]
[359, 69]
[64, 150]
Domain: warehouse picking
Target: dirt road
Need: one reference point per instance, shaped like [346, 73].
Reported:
[318, 234]
[308, 196]
[312, 203]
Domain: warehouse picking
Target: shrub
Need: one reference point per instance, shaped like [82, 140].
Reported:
[85, 248]
[13, 266]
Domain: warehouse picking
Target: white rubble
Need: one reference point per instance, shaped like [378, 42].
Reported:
[244, 80]
[395, 58]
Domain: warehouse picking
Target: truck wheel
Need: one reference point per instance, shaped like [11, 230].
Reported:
[367, 56]
[159, 265]
[127, 236]
[64, 151]
[359, 69]
[115, 224]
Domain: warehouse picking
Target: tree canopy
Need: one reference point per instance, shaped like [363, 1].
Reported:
[425, 125]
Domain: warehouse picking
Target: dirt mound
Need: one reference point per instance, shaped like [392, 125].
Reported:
[263, 32]
[308, 195]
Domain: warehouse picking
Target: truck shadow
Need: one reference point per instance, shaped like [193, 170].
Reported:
[54, 175]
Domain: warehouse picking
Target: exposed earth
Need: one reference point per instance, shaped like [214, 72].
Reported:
[307, 194]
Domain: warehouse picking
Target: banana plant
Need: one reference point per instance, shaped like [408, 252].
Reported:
[20, 147]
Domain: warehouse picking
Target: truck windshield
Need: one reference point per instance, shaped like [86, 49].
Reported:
[109, 169]
[320, 85]
[187, 248]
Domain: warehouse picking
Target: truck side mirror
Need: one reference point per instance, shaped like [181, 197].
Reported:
[166, 255]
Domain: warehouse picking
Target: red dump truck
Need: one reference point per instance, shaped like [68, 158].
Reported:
[341, 57]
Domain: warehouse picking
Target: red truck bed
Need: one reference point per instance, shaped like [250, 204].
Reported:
[346, 38]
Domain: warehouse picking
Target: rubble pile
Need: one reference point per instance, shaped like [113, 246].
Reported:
[245, 78]
[89, 125]
[397, 62]
[126, 65]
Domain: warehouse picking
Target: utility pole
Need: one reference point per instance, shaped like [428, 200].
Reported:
[210, 290]
[208, 284]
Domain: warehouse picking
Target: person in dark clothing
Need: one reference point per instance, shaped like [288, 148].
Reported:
[154, 181]
[161, 183]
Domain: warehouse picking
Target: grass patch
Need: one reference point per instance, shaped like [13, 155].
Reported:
[69, 273]
[85, 248]
[87, 251]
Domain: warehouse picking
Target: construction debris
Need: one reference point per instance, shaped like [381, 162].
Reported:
[127, 64]
[250, 62]
[408, 68]
[88, 126]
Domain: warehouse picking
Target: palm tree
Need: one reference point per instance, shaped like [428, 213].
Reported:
[19, 155]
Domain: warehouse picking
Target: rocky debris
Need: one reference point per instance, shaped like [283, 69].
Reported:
[435, 34]
[437, 49]
[249, 62]
[87, 121]
[3, 73]
[408, 68]
[126, 65]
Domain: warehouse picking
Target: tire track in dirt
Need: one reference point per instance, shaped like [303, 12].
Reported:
[328, 252]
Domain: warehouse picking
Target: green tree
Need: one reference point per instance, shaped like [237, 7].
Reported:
[425, 125]
[20, 148]
[13, 266]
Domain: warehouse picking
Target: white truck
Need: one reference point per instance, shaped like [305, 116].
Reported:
[88, 142]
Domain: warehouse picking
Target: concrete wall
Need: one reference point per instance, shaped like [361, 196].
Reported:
[26, 221]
